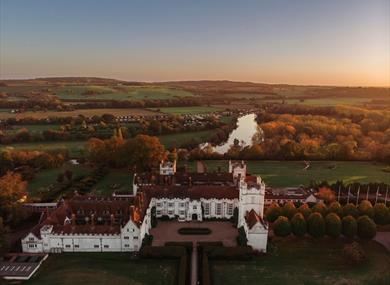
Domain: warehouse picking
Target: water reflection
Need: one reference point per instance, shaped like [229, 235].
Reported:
[247, 130]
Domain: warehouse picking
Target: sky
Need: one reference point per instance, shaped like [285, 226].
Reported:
[332, 42]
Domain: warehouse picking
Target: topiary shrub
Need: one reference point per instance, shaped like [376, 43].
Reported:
[365, 208]
[321, 208]
[366, 227]
[298, 225]
[273, 212]
[289, 210]
[350, 210]
[333, 225]
[241, 238]
[336, 208]
[381, 214]
[316, 225]
[281, 227]
[349, 226]
[305, 210]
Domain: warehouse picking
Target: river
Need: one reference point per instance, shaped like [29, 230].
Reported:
[246, 129]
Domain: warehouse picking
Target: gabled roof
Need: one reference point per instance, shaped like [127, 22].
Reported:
[252, 218]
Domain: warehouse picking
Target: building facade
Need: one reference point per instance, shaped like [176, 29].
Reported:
[120, 223]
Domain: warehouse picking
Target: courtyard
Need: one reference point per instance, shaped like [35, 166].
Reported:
[223, 231]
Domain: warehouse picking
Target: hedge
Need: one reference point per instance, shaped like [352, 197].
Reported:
[194, 231]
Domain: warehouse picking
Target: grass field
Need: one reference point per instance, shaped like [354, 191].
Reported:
[76, 148]
[116, 180]
[305, 262]
[35, 128]
[102, 269]
[291, 173]
[84, 112]
[188, 110]
[47, 177]
[176, 140]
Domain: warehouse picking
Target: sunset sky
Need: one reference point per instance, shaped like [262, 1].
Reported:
[332, 42]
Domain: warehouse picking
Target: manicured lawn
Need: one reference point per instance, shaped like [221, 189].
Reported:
[291, 173]
[189, 110]
[102, 269]
[305, 262]
[176, 140]
[116, 180]
[47, 177]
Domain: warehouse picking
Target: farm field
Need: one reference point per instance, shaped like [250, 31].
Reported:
[84, 112]
[305, 262]
[76, 148]
[34, 128]
[103, 268]
[188, 110]
[291, 173]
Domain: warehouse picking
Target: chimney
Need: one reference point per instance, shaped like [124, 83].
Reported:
[92, 220]
[73, 220]
[112, 220]
[189, 181]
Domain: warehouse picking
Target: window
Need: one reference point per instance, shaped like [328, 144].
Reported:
[96, 246]
[170, 205]
[67, 246]
[159, 204]
[207, 208]
[76, 246]
[126, 245]
[126, 237]
[170, 212]
[194, 207]
[182, 205]
[106, 246]
[182, 212]
[218, 210]
[230, 209]
[31, 239]
[158, 213]
[135, 237]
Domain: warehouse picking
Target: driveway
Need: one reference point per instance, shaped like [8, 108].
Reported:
[220, 231]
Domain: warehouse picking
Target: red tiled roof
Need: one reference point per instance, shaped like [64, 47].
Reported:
[194, 192]
[252, 218]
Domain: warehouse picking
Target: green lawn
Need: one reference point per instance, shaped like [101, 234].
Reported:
[176, 140]
[188, 110]
[157, 93]
[296, 262]
[47, 177]
[291, 173]
[102, 269]
[115, 180]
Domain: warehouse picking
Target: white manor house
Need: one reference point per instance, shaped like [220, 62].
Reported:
[119, 223]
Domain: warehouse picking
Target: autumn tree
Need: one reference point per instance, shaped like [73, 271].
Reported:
[289, 210]
[336, 208]
[326, 194]
[350, 209]
[305, 210]
[365, 208]
[321, 208]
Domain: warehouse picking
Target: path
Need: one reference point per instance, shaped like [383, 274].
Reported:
[194, 264]
[384, 239]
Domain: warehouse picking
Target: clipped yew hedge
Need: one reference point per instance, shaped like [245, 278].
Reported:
[194, 231]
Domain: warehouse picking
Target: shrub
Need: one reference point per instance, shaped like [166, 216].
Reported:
[320, 208]
[350, 210]
[298, 225]
[241, 238]
[365, 208]
[381, 214]
[305, 210]
[354, 253]
[316, 225]
[194, 231]
[336, 208]
[148, 240]
[333, 225]
[366, 227]
[282, 227]
[349, 226]
[273, 212]
[289, 210]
